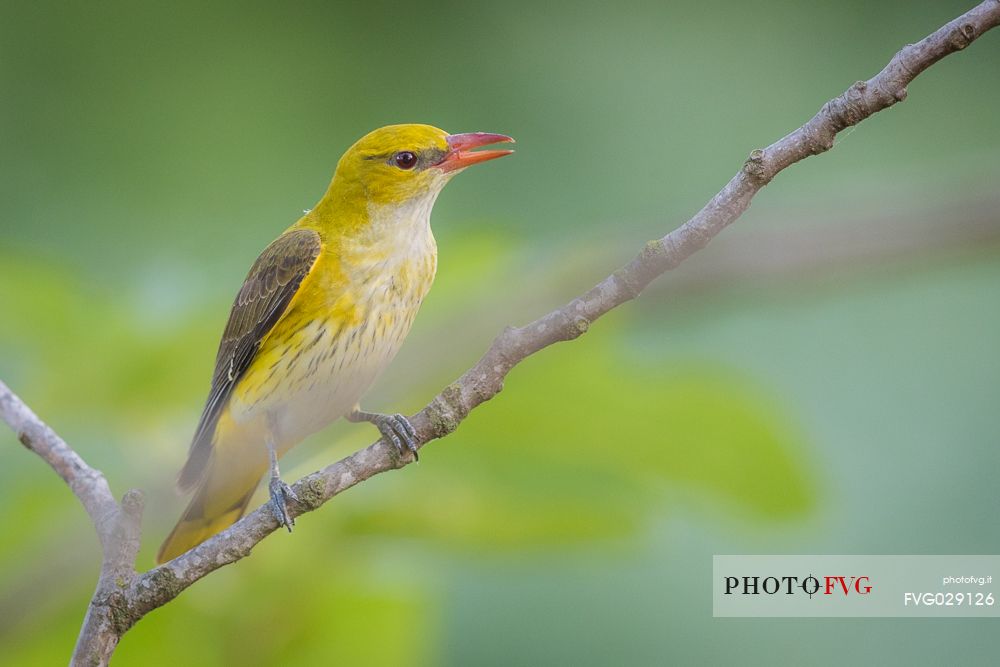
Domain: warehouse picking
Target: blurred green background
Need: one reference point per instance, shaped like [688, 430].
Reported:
[822, 379]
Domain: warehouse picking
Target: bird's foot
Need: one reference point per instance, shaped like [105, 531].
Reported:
[396, 429]
[280, 493]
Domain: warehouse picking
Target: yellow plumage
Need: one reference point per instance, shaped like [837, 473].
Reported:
[322, 313]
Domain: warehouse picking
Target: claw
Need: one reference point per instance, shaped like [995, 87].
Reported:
[280, 493]
[389, 433]
[396, 429]
[408, 427]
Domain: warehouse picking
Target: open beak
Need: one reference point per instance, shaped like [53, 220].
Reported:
[460, 154]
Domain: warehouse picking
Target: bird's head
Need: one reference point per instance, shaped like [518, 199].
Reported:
[400, 163]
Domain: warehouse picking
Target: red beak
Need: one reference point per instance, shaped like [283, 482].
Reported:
[461, 155]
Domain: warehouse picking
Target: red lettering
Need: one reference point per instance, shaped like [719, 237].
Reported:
[845, 585]
[831, 584]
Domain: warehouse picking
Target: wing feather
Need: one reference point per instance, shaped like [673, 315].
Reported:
[262, 300]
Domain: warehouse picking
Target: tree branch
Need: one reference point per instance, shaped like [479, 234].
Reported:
[87, 484]
[123, 597]
[117, 526]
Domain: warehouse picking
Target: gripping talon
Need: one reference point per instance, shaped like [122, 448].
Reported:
[395, 428]
[410, 431]
[280, 493]
[390, 434]
[403, 431]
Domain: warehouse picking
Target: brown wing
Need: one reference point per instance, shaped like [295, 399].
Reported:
[269, 287]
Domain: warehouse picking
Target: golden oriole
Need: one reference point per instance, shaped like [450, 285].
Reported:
[322, 312]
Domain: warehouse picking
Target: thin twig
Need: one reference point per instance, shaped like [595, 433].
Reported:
[87, 484]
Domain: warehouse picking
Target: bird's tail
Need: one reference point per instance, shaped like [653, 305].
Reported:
[237, 463]
[196, 525]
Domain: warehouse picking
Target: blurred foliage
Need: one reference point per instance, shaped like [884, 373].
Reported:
[584, 445]
[149, 152]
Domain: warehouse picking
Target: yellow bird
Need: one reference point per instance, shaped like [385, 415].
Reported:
[322, 312]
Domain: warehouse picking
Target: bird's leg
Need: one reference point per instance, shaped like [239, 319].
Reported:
[280, 492]
[394, 428]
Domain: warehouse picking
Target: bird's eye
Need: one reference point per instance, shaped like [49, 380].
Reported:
[405, 160]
